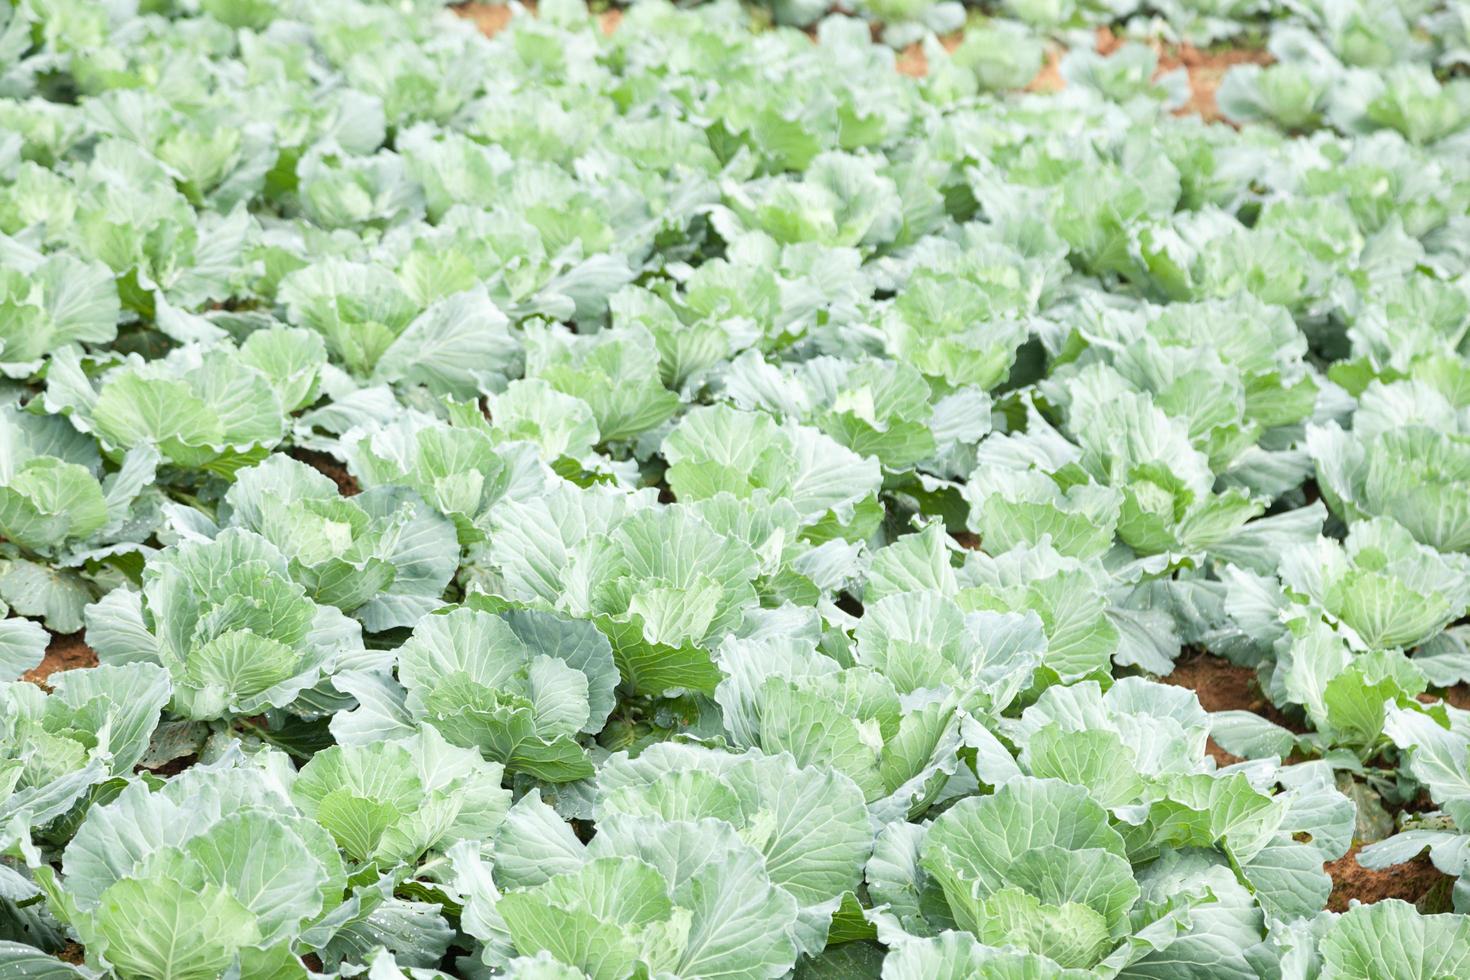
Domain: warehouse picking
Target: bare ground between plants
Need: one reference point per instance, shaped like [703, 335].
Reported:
[62, 653]
[1223, 686]
[329, 467]
[1205, 69]
[1417, 882]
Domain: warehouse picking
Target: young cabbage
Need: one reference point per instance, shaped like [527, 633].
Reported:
[235, 632]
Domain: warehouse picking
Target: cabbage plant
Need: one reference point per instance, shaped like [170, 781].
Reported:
[236, 633]
[521, 688]
[383, 556]
[214, 409]
[1407, 457]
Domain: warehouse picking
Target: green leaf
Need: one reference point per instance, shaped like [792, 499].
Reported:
[56, 596]
[1391, 939]
[162, 928]
[22, 646]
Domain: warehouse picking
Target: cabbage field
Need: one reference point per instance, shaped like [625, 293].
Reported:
[907, 490]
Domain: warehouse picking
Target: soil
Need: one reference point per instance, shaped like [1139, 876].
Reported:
[1457, 696]
[490, 18]
[966, 540]
[330, 468]
[1049, 79]
[1205, 69]
[63, 653]
[914, 63]
[1417, 882]
[170, 768]
[72, 953]
[1222, 686]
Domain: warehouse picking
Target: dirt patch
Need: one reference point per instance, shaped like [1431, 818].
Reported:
[1204, 69]
[170, 768]
[1457, 696]
[1417, 882]
[72, 953]
[62, 653]
[966, 540]
[1049, 79]
[914, 63]
[328, 467]
[492, 18]
[489, 18]
[1222, 686]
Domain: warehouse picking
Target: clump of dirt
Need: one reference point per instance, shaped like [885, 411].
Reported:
[1205, 69]
[72, 953]
[490, 18]
[914, 63]
[1457, 696]
[68, 652]
[324, 464]
[966, 540]
[1222, 686]
[1049, 79]
[170, 768]
[1417, 882]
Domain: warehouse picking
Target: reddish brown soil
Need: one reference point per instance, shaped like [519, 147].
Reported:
[1206, 69]
[1457, 696]
[330, 468]
[967, 540]
[490, 18]
[1049, 79]
[1222, 686]
[914, 63]
[72, 953]
[63, 653]
[1416, 882]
